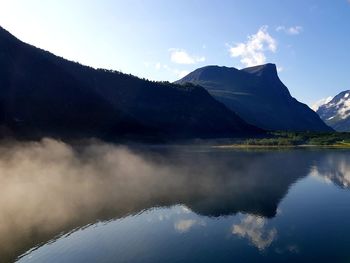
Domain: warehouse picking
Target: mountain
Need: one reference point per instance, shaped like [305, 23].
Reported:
[335, 168]
[45, 95]
[258, 96]
[336, 113]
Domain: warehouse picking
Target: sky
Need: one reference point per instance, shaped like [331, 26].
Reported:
[308, 40]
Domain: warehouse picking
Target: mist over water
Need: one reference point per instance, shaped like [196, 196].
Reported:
[49, 188]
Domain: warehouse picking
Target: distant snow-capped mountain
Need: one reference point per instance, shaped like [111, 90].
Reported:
[336, 112]
[321, 102]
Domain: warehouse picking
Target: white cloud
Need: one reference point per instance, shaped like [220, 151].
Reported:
[252, 52]
[160, 68]
[293, 30]
[184, 225]
[180, 73]
[180, 56]
[157, 65]
[280, 69]
[253, 228]
[146, 64]
[321, 102]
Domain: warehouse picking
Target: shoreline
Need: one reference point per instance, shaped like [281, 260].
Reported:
[301, 146]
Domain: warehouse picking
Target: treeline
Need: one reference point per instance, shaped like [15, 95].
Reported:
[301, 138]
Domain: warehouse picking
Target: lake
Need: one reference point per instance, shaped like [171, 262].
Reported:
[106, 203]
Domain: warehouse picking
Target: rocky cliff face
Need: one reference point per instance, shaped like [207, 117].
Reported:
[258, 96]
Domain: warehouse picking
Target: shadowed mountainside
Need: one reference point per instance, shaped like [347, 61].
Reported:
[45, 95]
[258, 96]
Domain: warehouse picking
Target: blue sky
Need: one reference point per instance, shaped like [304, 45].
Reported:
[309, 40]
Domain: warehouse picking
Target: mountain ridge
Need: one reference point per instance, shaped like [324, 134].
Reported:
[258, 96]
[46, 95]
[336, 112]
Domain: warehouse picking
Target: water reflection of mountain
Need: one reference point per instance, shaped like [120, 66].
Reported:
[250, 182]
[51, 189]
[335, 167]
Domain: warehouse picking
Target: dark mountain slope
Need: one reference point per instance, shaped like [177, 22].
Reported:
[45, 95]
[258, 96]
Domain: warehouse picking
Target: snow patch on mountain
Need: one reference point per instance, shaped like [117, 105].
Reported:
[321, 102]
[343, 107]
[336, 113]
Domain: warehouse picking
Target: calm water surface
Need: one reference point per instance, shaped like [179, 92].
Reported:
[106, 203]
